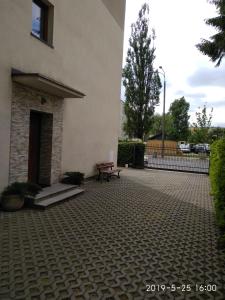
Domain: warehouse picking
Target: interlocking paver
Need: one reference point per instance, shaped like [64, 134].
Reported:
[148, 228]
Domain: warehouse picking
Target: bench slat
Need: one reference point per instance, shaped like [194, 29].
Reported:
[105, 165]
[107, 168]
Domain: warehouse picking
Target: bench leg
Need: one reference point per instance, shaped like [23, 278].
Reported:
[108, 177]
[99, 178]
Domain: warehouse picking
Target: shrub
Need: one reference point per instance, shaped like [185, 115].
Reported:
[21, 189]
[16, 188]
[131, 153]
[32, 189]
[73, 178]
[217, 178]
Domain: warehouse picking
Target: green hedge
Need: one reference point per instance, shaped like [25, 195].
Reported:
[131, 153]
[217, 178]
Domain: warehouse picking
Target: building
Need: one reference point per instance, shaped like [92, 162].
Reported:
[122, 134]
[60, 82]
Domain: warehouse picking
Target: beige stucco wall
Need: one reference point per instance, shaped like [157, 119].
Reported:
[117, 9]
[87, 56]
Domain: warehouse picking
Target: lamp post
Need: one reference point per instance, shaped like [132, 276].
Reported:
[163, 116]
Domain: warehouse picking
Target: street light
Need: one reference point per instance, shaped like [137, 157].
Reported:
[164, 102]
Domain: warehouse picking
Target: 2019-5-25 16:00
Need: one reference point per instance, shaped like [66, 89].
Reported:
[182, 287]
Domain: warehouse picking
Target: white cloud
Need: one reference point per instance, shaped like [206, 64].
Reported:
[192, 95]
[208, 77]
[179, 26]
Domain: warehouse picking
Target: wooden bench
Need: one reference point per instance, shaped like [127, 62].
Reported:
[107, 169]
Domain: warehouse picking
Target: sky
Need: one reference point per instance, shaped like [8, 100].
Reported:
[179, 26]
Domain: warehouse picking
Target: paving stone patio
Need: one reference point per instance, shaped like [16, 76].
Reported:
[148, 228]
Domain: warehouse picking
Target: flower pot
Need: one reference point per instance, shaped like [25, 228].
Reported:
[29, 200]
[12, 202]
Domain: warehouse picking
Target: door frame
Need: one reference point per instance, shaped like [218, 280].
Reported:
[42, 166]
[37, 162]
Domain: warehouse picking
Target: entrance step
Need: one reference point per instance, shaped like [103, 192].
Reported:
[56, 193]
[54, 189]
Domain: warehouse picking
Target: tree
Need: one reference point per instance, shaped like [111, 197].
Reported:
[142, 83]
[200, 133]
[179, 119]
[216, 133]
[215, 47]
[156, 126]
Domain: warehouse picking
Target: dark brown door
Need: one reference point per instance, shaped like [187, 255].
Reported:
[34, 147]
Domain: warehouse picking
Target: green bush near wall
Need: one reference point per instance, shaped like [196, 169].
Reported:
[217, 178]
[131, 153]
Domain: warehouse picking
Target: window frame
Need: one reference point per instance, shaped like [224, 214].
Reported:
[46, 22]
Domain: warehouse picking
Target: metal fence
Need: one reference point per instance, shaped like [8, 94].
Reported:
[175, 159]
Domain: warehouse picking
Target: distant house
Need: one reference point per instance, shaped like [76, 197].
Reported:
[156, 137]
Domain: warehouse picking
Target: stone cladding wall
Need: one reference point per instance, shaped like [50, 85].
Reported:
[24, 100]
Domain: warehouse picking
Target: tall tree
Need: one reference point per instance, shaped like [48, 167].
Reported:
[179, 119]
[216, 133]
[156, 127]
[200, 132]
[142, 83]
[215, 47]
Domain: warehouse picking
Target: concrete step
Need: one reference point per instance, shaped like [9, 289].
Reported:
[56, 198]
[55, 189]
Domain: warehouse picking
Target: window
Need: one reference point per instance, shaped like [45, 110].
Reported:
[42, 20]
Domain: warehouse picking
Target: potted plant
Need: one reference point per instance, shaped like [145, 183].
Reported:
[32, 189]
[73, 178]
[13, 196]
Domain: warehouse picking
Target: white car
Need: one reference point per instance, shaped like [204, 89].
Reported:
[184, 147]
[202, 148]
[207, 148]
